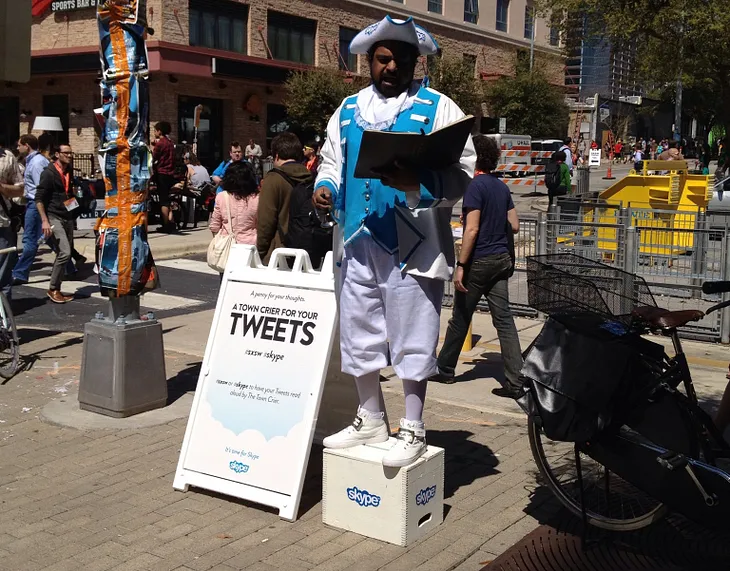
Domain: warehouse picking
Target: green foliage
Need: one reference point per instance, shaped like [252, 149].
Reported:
[531, 104]
[314, 95]
[673, 37]
[455, 78]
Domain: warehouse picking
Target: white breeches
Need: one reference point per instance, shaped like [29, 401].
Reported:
[380, 307]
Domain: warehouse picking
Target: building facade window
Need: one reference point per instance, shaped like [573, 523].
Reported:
[529, 21]
[471, 11]
[291, 38]
[436, 6]
[554, 35]
[346, 58]
[502, 15]
[219, 25]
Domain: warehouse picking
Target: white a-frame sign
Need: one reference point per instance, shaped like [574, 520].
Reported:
[252, 421]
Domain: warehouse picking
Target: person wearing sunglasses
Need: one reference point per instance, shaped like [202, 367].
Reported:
[58, 208]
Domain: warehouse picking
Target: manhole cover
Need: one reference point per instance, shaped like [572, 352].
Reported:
[673, 544]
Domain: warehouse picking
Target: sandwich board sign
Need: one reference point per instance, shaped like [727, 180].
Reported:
[253, 417]
[594, 158]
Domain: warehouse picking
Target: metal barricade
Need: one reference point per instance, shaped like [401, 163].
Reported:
[583, 181]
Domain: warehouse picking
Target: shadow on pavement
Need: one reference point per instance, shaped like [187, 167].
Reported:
[185, 381]
[486, 366]
[21, 305]
[466, 460]
[672, 544]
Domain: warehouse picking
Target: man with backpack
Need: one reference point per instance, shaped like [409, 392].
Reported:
[286, 216]
[557, 176]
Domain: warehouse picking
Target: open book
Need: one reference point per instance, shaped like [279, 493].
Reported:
[437, 150]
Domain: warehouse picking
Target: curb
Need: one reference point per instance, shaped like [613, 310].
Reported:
[162, 253]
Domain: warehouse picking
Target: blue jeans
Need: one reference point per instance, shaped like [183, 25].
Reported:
[31, 234]
[8, 239]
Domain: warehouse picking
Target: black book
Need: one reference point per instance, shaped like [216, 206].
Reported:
[438, 150]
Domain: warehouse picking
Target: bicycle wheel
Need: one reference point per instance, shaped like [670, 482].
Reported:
[610, 502]
[9, 344]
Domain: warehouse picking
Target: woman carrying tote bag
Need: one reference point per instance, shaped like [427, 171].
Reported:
[235, 214]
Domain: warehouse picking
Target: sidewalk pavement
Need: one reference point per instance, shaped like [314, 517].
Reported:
[102, 498]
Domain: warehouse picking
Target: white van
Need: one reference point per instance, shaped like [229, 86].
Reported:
[513, 143]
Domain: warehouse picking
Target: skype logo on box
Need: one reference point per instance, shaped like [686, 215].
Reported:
[425, 496]
[363, 497]
[238, 467]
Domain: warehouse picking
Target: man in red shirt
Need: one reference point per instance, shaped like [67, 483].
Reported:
[164, 169]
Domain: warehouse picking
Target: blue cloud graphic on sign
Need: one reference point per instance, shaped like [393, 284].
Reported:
[238, 467]
[239, 414]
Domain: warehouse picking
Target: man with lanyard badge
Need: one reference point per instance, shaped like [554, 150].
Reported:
[57, 207]
[398, 249]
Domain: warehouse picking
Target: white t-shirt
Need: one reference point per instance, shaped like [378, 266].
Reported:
[254, 151]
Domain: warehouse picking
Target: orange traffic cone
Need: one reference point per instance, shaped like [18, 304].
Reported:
[608, 174]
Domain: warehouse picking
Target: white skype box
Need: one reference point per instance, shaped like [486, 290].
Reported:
[396, 505]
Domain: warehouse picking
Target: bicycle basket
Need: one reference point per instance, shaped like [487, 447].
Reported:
[566, 284]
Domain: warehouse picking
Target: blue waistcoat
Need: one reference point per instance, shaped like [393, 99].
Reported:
[366, 206]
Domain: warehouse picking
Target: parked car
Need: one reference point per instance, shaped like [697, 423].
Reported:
[548, 145]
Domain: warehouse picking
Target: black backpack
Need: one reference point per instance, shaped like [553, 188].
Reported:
[305, 229]
[552, 176]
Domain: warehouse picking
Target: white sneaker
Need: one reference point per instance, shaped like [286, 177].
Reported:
[410, 444]
[367, 428]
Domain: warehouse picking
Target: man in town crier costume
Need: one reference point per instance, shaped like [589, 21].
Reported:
[398, 248]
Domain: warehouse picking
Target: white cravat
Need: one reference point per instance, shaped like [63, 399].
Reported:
[378, 113]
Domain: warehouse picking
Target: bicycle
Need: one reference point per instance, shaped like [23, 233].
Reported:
[9, 343]
[660, 451]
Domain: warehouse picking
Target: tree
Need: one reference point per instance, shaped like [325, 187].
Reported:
[314, 95]
[530, 103]
[675, 39]
[455, 78]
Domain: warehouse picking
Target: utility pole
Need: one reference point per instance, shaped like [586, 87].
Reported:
[532, 39]
[678, 110]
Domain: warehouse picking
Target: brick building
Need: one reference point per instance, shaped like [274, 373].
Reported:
[232, 57]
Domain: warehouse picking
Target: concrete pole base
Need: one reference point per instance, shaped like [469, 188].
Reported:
[123, 362]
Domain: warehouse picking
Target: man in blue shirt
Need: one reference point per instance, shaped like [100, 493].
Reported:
[485, 264]
[236, 154]
[36, 152]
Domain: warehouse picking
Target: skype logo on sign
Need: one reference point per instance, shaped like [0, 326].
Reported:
[425, 496]
[238, 467]
[363, 497]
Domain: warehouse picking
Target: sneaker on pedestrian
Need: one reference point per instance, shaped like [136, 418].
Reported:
[410, 444]
[19, 282]
[367, 428]
[57, 297]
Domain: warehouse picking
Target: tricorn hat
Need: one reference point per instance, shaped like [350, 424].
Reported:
[396, 30]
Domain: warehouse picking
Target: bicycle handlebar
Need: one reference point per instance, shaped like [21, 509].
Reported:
[718, 307]
[716, 287]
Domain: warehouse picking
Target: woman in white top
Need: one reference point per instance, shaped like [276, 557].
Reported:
[197, 174]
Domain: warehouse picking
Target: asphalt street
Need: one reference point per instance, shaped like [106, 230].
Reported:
[187, 285]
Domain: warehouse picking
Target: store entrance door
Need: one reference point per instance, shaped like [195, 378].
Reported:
[210, 129]
[9, 126]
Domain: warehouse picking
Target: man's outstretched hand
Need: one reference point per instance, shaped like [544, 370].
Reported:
[322, 198]
[401, 178]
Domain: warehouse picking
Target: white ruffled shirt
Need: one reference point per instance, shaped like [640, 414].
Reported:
[377, 112]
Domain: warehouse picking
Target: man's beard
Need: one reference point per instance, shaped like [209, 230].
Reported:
[395, 89]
